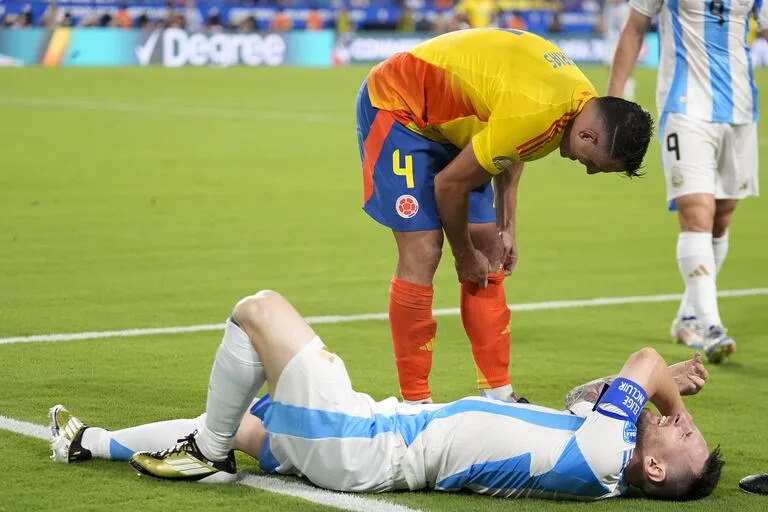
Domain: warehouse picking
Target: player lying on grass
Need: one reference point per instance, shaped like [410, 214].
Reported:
[313, 424]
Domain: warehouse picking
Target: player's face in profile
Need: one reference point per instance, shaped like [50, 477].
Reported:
[583, 145]
[674, 440]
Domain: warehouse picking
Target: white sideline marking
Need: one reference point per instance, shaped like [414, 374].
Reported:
[336, 319]
[183, 110]
[24, 428]
[296, 489]
[346, 501]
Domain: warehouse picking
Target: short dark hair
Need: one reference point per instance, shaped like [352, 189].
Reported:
[690, 486]
[629, 127]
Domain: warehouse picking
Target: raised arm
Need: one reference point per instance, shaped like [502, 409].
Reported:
[452, 187]
[628, 49]
[689, 377]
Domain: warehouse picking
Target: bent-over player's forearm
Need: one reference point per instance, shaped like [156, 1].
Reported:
[630, 42]
[452, 187]
[506, 185]
[452, 205]
[648, 369]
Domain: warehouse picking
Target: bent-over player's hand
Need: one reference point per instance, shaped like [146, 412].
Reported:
[473, 267]
[509, 251]
[690, 375]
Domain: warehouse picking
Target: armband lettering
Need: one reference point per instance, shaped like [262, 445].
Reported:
[626, 395]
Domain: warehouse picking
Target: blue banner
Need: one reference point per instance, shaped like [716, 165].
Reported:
[170, 48]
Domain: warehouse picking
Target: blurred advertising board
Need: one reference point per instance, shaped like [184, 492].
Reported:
[170, 48]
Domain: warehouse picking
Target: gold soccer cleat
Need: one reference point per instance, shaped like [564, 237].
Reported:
[66, 436]
[185, 461]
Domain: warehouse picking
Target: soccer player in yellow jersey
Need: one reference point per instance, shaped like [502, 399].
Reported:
[434, 125]
[478, 13]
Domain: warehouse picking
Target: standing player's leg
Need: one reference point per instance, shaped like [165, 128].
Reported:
[411, 323]
[685, 328]
[737, 178]
[724, 209]
[695, 255]
[399, 167]
[484, 311]
[692, 153]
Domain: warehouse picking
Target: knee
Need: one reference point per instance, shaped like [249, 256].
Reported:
[647, 354]
[422, 260]
[431, 255]
[252, 311]
[696, 213]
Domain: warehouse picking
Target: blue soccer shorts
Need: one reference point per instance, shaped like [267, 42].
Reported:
[399, 169]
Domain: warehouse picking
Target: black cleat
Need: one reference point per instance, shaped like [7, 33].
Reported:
[755, 484]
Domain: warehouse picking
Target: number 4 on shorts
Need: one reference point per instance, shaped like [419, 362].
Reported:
[406, 171]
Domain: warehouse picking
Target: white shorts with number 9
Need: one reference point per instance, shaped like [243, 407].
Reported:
[709, 158]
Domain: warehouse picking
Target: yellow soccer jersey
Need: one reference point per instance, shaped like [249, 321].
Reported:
[480, 13]
[511, 93]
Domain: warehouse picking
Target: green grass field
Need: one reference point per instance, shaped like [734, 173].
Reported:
[151, 197]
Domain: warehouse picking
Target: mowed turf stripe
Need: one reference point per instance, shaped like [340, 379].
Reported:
[179, 110]
[338, 319]
[296, 489]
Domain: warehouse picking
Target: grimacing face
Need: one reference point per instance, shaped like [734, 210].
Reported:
[674, 441]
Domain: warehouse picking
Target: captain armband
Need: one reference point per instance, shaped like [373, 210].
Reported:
[625, 396]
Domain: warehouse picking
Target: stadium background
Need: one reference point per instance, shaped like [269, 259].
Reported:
[145, 197]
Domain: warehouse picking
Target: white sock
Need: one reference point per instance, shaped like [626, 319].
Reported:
[629, 89]
[121, 444]
[720, 250]
[501, 392]
[427, 400]
[686, 309]
[236, 377]
[696, 261]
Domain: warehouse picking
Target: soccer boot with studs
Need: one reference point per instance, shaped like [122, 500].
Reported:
[185, 461]
[67, 436]
[686, 331]
[718, 345]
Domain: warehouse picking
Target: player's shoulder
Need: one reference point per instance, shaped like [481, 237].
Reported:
[648, 8]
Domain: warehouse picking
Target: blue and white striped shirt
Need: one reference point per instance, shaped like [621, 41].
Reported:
[479, 444]
[705, 70]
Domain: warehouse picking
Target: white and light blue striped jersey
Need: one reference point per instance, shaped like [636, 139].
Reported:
[705, 69]
[518, 450]
[478, 444]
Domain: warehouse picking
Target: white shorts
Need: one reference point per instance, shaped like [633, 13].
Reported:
[709, 158]
[320, 428]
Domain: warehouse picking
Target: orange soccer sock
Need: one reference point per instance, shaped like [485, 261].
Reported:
[485, 316]
[413, 336]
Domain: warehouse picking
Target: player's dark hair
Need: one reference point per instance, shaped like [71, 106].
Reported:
[629, 127]
[703, 484]
[690, 486]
